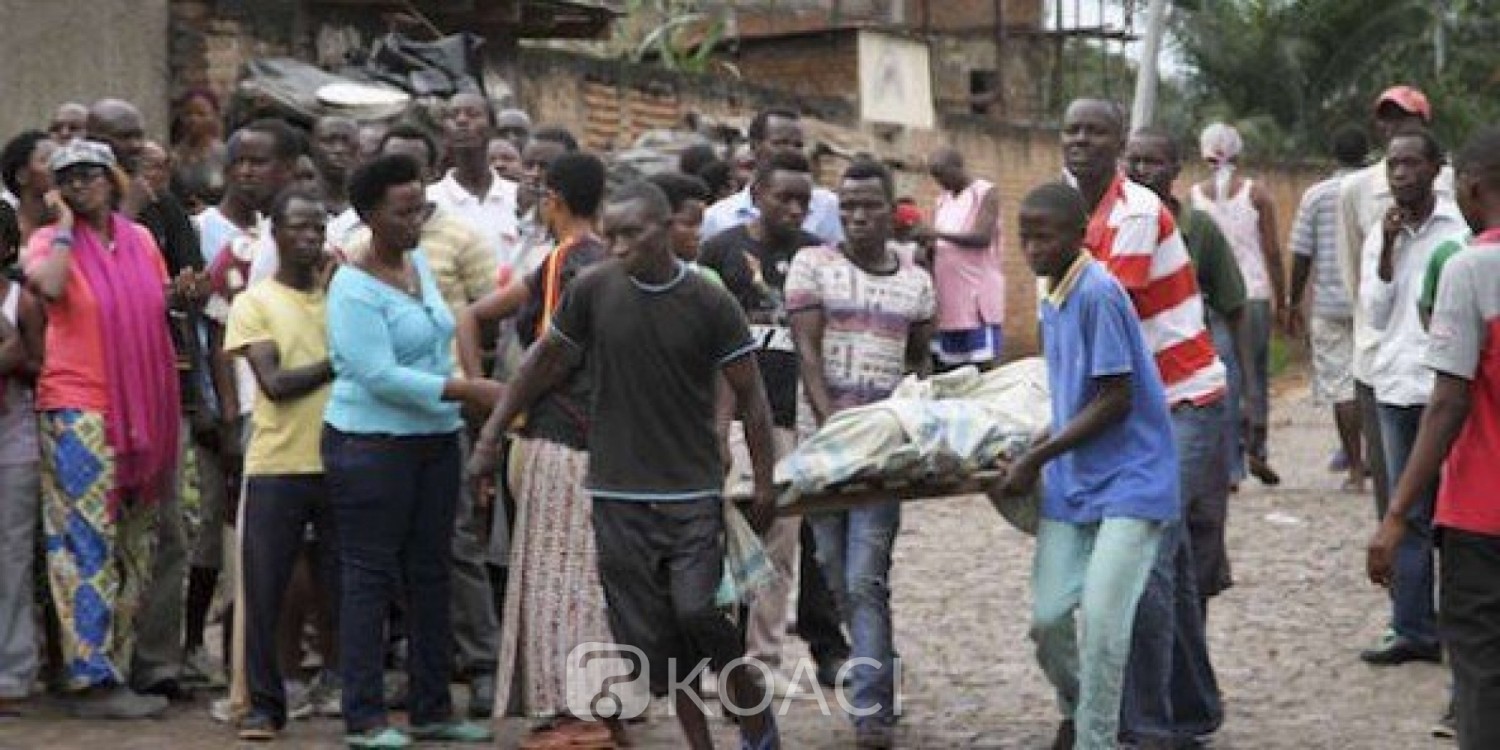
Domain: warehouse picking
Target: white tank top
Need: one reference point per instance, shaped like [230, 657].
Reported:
[18, 437]
[1239, 220]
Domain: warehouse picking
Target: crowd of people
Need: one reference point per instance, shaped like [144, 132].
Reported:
[405, 408]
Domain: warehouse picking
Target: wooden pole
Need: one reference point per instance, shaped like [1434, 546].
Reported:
[1143, 110]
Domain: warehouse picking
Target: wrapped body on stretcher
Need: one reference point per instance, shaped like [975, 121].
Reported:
[943, 436]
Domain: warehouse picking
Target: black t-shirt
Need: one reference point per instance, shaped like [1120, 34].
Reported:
[562, 415]
[653, 354]
[765, 305]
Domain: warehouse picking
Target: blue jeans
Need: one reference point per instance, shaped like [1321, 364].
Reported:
[1234, 443]
[1413, 613]
[394, 499]
[854, 548]
[1090, 575]
[1170, 688]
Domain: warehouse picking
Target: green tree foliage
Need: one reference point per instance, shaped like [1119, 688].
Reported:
[1291, 71]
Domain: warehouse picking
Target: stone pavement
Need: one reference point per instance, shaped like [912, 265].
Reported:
[1284, 638]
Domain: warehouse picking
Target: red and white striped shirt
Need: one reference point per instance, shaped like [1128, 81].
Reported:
[1133, 233]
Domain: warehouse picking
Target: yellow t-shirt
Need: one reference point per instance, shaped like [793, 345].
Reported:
[287, 434]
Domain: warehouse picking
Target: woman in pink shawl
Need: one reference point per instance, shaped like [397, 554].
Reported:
[107, 407]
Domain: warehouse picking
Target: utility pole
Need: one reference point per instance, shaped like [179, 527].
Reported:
[1143, 111]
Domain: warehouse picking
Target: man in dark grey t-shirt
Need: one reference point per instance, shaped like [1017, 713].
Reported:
[656, 337]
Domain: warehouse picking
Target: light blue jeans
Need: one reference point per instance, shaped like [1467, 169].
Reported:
[1087, 578]
[854, 550]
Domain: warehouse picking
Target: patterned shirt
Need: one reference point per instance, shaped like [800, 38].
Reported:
[1314, 234]
[1135, 236]
[868, 316]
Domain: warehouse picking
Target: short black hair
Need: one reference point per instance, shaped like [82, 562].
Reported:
[869, 169]
[287, 195]
[782, 161]
[644, 191]
[1350, 145]
[16, 155]
[1061, 199]
[694, 158]
[1430, 146]
[556, 134]
[290, 142]
[1174, 145]
[579, 179]
[409, 131]
[680, 188]
[370, 181]
[717, 175]
[758, 124]
[1480, 156]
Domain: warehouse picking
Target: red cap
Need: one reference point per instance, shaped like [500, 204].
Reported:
[1409, 99]
[907, 215]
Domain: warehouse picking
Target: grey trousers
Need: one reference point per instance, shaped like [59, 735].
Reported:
[476, 627]
[159, 625]
[20, 495]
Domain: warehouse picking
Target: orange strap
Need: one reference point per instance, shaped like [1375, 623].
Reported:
[552, 283]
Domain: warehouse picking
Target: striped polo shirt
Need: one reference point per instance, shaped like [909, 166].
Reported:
[1136, 238]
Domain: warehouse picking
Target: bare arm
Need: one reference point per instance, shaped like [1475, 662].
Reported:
[280, 383]
[743, 377]
[492, 307]
[807, 334]
[1109, 406]
[547, 364]
[982, 234]
[919, 349]
[1442, 421]
[1270, 242]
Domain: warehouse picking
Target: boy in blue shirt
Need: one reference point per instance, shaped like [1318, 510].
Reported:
[1110, 469]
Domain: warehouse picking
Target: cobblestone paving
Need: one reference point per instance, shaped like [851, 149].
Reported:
[1284, 638]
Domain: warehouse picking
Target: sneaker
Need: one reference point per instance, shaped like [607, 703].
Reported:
[452, 731]
[220, 710]
[482, 696]
[200, 670]
[257, 727]
[1400, 651]
[1446, 727]
[326, 695]
[299, 705]
[379, 738]
[116, 703]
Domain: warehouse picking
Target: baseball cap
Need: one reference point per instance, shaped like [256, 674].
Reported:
[80, 151]
[1409, 99]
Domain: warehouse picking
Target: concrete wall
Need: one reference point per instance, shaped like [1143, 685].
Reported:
[61, 50]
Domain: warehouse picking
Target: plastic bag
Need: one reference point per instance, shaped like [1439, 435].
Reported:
[747, 570]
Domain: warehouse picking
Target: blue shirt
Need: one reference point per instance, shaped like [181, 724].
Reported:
[391, 353]
[822, 216]
[1090, 331]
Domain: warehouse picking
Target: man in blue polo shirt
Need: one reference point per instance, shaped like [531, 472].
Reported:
[1110, 468]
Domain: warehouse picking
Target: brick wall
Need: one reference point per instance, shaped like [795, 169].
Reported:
[211, 39]
[1014, 158]
[824, 65]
